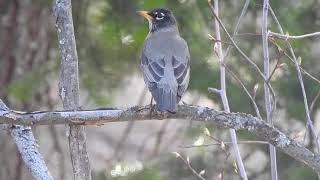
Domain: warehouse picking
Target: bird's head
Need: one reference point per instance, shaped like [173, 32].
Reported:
[159, 19]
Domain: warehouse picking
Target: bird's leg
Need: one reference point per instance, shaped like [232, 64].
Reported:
[151, 107]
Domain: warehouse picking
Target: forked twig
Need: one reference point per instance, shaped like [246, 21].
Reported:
[245, 57]
[187, 162]
[304, 95]
[223, 94]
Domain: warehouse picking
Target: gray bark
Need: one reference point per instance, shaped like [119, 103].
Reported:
[27, 147]
[237, 121]
[267, 95]
[69, 87]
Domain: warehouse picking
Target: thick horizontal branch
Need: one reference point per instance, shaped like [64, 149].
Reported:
[237, 121]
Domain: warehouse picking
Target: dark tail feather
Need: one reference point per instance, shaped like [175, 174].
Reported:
[166, 100]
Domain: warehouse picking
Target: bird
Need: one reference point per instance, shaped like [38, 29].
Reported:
[164, 60]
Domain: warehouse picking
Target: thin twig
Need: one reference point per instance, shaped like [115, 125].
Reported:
[302, 69]
[57, 147]
[215, 144]
[304, 95]
[314, 101]
[287, 36]
[223, 90]
[245, 57]
[267, 96]
[159, 137]
[186, 162]
[256, 108]
[235, 31]
[292, 60]
[274, 69]
[117, 153]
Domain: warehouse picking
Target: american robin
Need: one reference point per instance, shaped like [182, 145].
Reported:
[165, 60]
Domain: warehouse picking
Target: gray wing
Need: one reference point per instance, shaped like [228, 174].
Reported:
[153, 61]
[181, 66]
[182, 74]
[153, 70]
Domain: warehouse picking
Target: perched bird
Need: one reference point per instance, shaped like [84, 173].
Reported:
[165, 60]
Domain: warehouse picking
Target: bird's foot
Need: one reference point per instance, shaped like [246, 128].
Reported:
[152, 107]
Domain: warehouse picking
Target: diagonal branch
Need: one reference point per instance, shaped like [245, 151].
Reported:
[27, 147]
[300, 78]
[237, 121]
[30, 154]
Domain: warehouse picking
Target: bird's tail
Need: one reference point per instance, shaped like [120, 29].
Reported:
[166, 100]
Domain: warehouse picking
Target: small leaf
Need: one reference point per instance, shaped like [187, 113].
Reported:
[207, 132]
[215, 49]
[255, 88]
[199, 141]
[211, 37]
[299, 60]
[223, 145]
[202, 172]
[118, 168]
[235, 167]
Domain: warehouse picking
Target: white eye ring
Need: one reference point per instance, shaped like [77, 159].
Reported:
[159, 18]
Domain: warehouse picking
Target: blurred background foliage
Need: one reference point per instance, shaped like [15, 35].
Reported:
[109, 38]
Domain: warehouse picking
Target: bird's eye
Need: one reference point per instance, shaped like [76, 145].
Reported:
[159, 16]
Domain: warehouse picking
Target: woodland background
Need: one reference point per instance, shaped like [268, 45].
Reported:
[109, 38]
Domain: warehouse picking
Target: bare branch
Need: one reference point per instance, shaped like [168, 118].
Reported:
[235, 31]
[292, 60]
[245, 56]
[287, 36]
[187, 162]
[69, 87]
[246, 91]
[237, 121]
[223, 89]
[304, 95]
[267, 96]
[314, 101]
[219, 144]
[27, 147]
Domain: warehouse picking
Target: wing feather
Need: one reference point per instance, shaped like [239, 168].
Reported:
[157, 52]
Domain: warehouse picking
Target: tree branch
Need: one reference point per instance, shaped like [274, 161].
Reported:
[267, 96]
[27, 147]
[69, 87]
[287, 36]
[223, 90]
[237, 121]
[300, 78]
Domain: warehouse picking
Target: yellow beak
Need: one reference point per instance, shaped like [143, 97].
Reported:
[145, 14]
